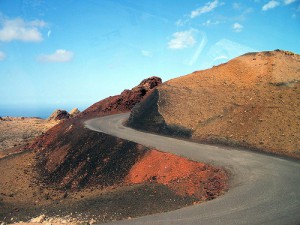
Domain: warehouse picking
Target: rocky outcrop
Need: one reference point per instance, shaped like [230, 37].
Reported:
[125, 101]
[59, 115]
[74, 112]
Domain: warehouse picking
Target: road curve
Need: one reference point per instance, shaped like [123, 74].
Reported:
[264, 189]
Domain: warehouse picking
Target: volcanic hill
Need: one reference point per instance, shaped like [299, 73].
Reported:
[252, 101]
[75, 173]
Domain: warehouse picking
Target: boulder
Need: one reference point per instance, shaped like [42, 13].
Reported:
[59, 115]
[74, 112]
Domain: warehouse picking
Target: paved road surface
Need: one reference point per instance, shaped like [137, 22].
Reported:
[264, 189]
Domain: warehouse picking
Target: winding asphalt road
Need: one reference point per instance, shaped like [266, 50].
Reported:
[264, 189]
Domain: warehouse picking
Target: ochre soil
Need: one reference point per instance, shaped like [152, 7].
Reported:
[184, 177]
[252, 101]
[18, 131]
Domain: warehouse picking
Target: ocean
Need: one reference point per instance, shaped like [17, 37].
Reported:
[43, 113]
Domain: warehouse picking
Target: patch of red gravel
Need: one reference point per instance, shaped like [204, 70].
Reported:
[183, 176]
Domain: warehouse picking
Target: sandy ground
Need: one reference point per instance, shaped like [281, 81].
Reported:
[17, 131]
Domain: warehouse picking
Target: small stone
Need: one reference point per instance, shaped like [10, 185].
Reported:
[65, 195]
[92, 221]
[39, 219]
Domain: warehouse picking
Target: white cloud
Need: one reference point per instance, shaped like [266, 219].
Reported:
[209, 23]
[60, 55]
[18, 29]
[287, 2]
[48, 33]
[2, 56]
[183, 39]
[209, 6]
[237, 27]
[146, 53]
[270, 5]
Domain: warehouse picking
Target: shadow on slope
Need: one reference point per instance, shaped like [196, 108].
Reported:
[145, 116]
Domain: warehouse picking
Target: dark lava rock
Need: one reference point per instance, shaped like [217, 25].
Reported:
[123, 102]
[59, 115]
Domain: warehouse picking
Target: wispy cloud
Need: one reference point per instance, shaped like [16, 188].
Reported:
[146, 53]
[209, 23]
[183, 39]
[287, 2]
[60, 55]
[270, 5]
[273, 4]
[209, 6]
[237, 27]
[2, 56]
[18, 29]
[199, 49]
[222, 51]
[181, 22]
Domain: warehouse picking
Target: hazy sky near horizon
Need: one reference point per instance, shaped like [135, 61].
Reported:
[70, 53]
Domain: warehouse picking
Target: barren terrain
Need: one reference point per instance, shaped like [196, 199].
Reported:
[18, 131]
[78, 175]
[252, 101]
[23, 197]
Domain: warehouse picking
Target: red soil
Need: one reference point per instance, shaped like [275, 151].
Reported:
[183, 176]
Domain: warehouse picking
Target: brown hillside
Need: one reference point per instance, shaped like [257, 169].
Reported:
[75, 173]
[251, 101]
[71, 156]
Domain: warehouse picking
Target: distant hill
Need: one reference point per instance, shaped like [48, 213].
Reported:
[252, 101]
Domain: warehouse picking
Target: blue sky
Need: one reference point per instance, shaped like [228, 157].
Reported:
[70, 53]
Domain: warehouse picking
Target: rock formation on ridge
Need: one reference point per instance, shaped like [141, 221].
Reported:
[59, 115]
